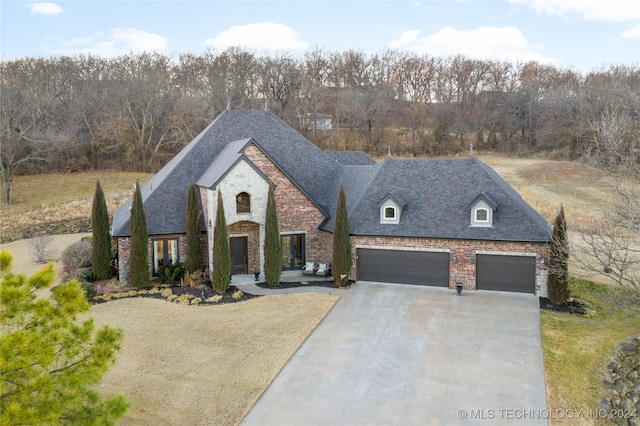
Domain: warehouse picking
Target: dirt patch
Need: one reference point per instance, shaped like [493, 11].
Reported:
[204, 364]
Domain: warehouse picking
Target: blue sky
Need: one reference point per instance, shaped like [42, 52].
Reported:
[579, 34]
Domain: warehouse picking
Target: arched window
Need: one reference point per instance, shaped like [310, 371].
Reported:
[243, 203]
[482, 215]
[390, 213]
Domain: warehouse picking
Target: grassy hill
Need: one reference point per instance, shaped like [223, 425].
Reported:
[61, 203]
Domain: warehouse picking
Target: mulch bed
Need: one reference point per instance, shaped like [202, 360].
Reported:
[293, 284]
[202, 293]
[574, 306]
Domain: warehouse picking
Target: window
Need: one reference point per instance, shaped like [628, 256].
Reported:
[482, 215]
[243, 203]
[165, 252]
[390, 213]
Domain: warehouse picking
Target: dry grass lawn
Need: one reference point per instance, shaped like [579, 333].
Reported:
[196, 365]
[41, 199]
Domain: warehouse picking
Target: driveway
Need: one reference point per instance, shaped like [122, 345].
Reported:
[398, 354]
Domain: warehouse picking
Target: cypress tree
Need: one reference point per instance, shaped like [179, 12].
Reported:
[101, 241]
[194, 246]
[139, 262]
[341, 263]
[558, 284]
[221, 252]
[272, 248]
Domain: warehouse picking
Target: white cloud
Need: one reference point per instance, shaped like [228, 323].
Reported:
[263, 36]
[504, 43]
[45, 8]
[593, 10]
[117, 42]
[632, 33]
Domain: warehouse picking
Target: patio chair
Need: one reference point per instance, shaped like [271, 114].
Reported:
[324, 269]
[309, 268]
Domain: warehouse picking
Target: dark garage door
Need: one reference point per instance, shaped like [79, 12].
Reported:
[403, 267]
[506, 273]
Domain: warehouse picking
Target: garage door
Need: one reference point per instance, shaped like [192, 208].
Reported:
[403, 267]
[506, 273]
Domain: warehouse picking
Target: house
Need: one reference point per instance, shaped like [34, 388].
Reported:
[435, 222]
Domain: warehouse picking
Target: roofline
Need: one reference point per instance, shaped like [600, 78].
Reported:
[266, 154]
[452, 239]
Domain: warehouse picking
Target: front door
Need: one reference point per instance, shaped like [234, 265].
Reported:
[292, 251]
[239, 258]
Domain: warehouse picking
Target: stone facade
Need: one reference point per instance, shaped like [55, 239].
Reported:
[462, 271]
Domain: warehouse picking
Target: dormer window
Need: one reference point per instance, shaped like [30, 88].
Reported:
[390, 209]
[482, 210]
[390, 213]
[243, 203]
[482, 215]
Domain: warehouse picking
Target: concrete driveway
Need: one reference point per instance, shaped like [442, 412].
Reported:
[408, 355]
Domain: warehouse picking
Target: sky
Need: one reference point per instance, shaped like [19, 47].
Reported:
[583, 35]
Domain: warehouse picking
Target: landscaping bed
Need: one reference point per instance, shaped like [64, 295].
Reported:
[172, 293]
[572, 307]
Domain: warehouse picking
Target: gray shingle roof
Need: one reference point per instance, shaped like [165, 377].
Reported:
[436, 192]
[352, 158]
[164, 196]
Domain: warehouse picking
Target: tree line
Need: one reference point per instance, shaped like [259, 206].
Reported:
[135, 111]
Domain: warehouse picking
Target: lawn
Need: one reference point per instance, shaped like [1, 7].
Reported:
[577, 349]
[51, 198]
[204, 364]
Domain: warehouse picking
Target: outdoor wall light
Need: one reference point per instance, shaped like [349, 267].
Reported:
[542, 262]
[470, 260]
[455, 259]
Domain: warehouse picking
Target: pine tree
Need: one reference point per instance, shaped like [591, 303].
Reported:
[558, 283]
[194, 245]
[101, 241]
[272, 248]
[49, 361]
[221, 252]
[341, 263]
[139, 260]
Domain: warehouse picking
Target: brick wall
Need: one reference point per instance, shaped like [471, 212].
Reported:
[296, 213]
[462, 271]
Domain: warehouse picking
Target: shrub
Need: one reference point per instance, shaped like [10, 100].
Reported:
[221, 278]
[101, 241]
[272, 248]
[170, 274]
[77, 255]
[39, 246]
[139, 258]
[88, 288]
[558, 284]
[194, 219]
[196, 279]
[238, 294]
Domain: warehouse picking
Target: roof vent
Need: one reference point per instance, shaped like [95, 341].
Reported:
[471, 150]
[389, 151]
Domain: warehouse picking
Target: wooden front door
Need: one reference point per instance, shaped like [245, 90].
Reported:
[239, 255]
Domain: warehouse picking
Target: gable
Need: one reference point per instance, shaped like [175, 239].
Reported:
[164, 196]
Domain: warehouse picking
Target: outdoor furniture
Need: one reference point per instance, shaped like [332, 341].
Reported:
[324, 269]
[309, 268]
